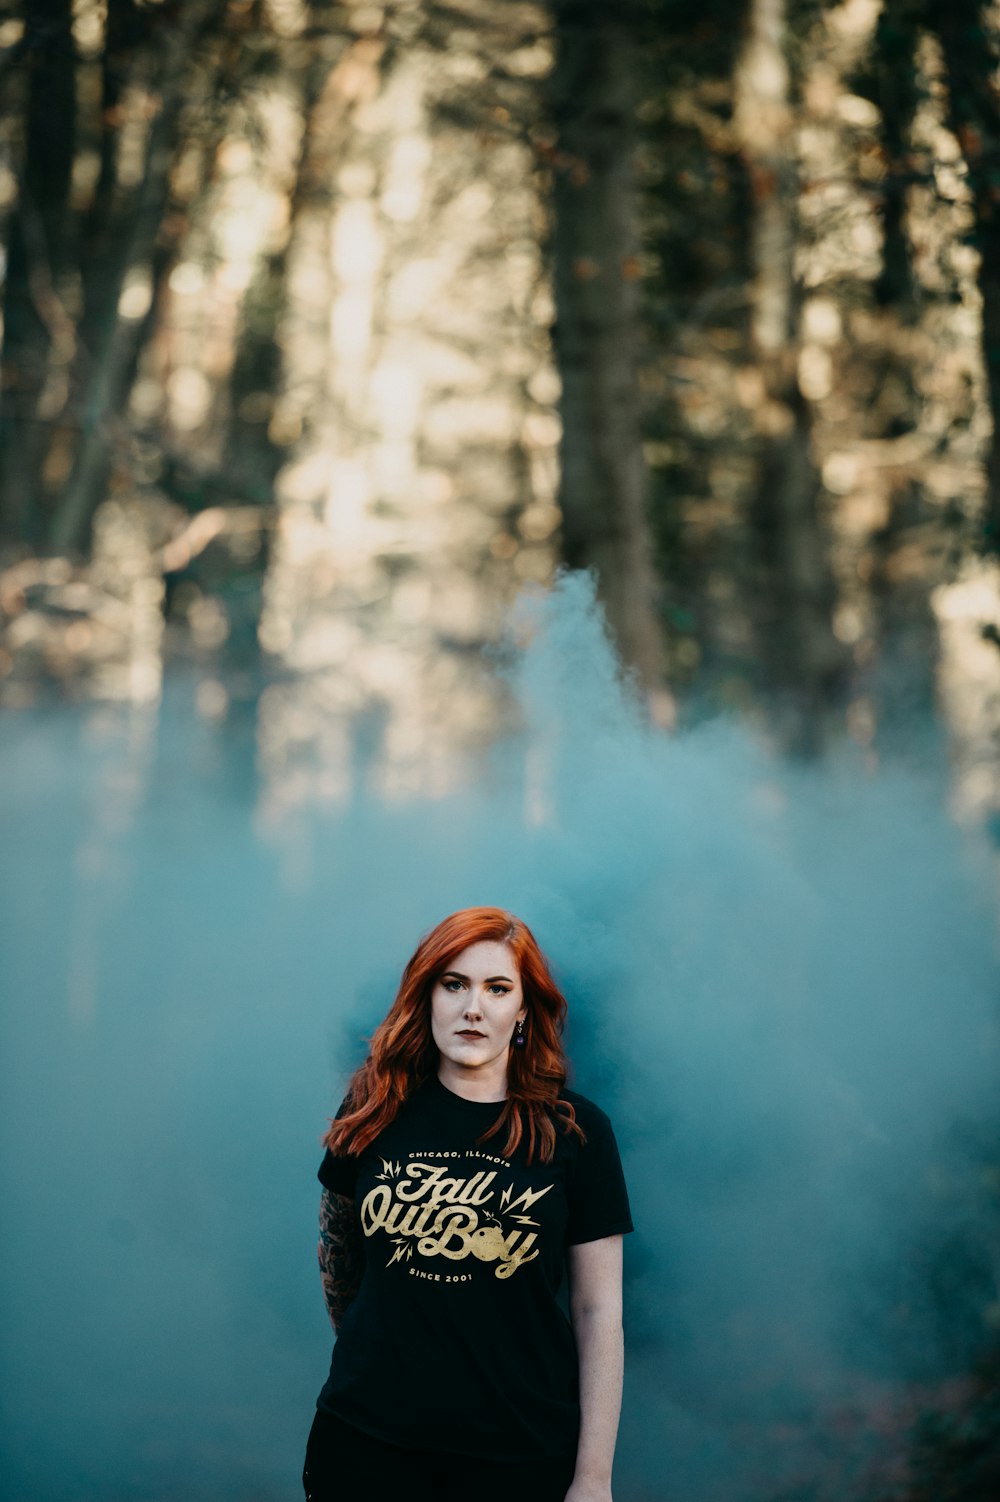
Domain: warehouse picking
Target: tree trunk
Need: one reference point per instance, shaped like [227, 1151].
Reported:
[115, 358]
[793, 588]
[108, 216]
[972, 55]
[35, 327]
[603, 479]
[895, 69]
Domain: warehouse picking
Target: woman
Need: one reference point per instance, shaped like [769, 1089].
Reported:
[460, 1178]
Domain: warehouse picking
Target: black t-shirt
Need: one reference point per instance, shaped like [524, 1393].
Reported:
[456, 1340]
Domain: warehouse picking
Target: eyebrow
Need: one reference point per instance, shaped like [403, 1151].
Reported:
[489, 979]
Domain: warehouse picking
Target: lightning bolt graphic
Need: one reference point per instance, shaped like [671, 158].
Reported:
[401, 1251]
[524, 1220]
[506, 1196]
[528, 1198]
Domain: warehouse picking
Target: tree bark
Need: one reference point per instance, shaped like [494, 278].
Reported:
[971, 51]
[39, 247]
[896, 35]
[793, 587]
[107, 217]
[603, 479]
[116, 355]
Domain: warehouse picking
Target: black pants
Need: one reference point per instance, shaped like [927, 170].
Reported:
[345, 1465]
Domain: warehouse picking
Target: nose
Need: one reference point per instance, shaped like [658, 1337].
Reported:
[473, 1009]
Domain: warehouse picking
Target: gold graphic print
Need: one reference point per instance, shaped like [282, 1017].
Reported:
[444, 1216]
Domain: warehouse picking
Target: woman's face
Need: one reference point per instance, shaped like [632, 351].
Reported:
[474, 1005]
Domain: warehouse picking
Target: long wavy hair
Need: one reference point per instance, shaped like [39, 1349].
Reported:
[402, 1052]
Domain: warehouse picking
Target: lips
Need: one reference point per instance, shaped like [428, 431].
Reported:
[469, 1032]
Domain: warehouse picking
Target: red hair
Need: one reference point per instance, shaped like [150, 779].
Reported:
[402, 1053]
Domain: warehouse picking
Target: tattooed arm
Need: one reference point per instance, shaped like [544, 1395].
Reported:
[341, 1254]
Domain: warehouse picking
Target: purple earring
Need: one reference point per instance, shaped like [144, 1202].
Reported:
[519, 1039]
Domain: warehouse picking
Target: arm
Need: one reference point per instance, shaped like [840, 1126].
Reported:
[341, 1254]
[595, 1269]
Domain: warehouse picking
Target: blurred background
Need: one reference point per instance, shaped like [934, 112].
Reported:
[536, 453]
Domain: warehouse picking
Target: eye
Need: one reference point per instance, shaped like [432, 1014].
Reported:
[499, 990]
[451, 984]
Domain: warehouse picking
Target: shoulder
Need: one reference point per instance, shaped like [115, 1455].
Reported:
[338, 1173]
[589, 1116]
[596, 1188]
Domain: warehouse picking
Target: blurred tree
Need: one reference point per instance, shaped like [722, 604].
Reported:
[969, 33]
[89, 253]
[900, 678]
[143, 230]
[919, 546]
[39, 339]
[895, 89]
[793, 591]
[694, 213]
[741, 519]
[596, 268]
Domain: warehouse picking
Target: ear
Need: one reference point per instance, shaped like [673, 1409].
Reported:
[522, 1015]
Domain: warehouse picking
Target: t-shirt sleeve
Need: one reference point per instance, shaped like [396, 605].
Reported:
[339, 1172]
[598, 1200]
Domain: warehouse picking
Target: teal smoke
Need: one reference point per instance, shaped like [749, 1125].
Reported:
[783, 990]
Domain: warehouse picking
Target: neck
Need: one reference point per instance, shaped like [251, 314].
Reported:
[475, 1084]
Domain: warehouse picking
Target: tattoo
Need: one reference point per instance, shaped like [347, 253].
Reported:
[341, 1253]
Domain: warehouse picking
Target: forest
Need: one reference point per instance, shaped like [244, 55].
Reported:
[330, 328]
